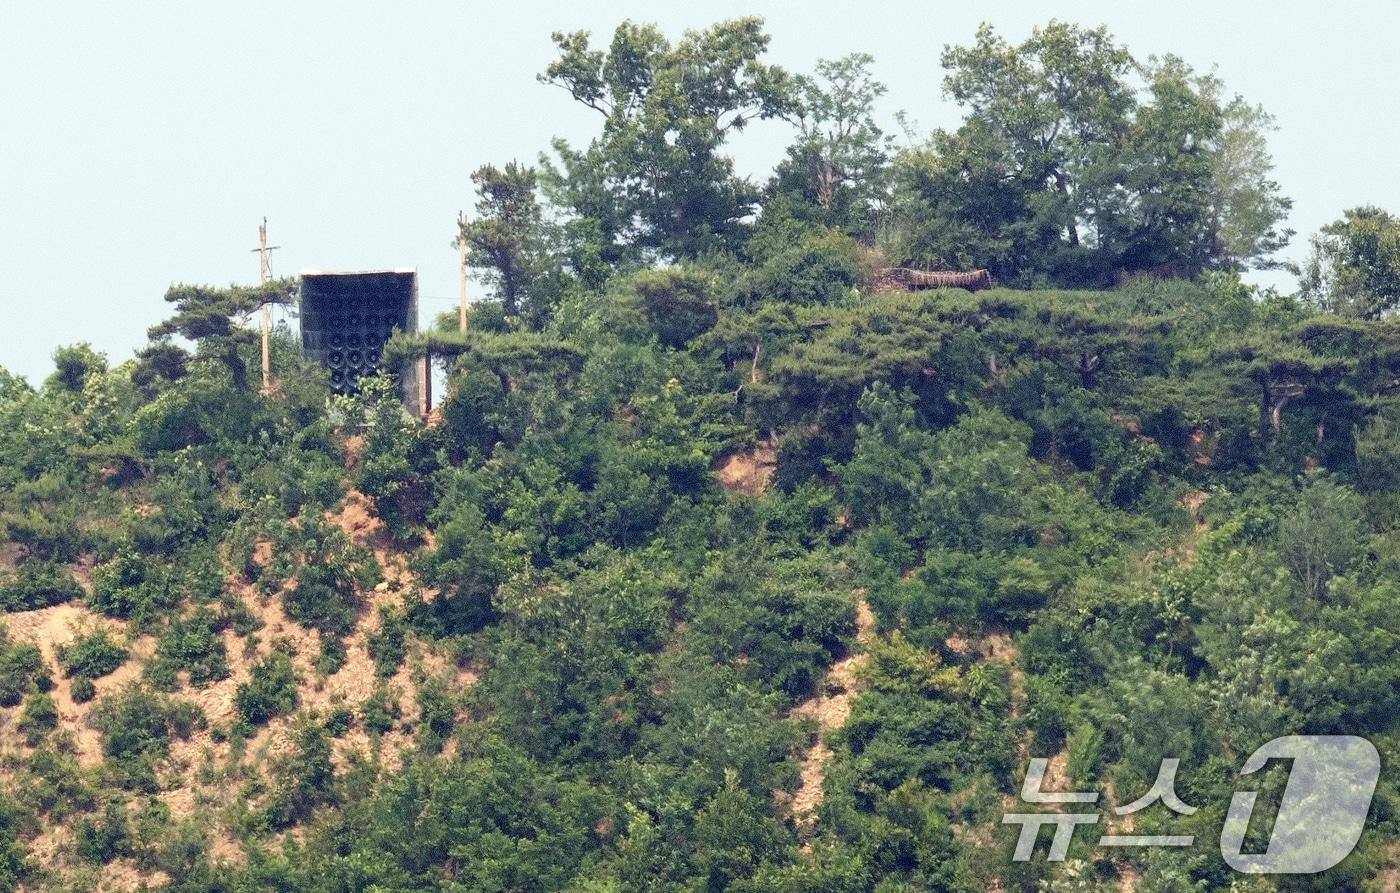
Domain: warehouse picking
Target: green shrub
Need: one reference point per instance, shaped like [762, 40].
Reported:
[137, 725]
[820, 270]
[100, 839]
[332, 572]
[1323, 535]
[914, 722]
[390, 472]
[182, 508]
[39, 584]
[83, 690]
[192, 644]
[467, 563]
[489, 316]
[91, 656]
[782, 621]
[55, 785]
[307, 778]
[1085, 747]
[388, 644]
[133, 722]
[379, 712]
[1378, 455]
[41, 515]
[340, 721]
[15, 860]
[333, 654]
[162, 676]
[241, 547]
[22, 669]
[308, 481]
[133, 586]
[437, 713]
[38, 718]
[271, 691]
[676, 304]
[1048, 711]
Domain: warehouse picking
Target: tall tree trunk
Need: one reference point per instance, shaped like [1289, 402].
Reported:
[826, 186]
[1265, 412]
[1062, 186]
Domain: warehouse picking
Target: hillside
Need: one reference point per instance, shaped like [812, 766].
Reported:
[608, 621]
[741, 553]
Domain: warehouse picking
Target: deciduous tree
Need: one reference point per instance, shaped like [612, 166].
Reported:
[656, 177]
[1354, 268]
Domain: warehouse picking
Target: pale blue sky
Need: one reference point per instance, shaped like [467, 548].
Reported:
[142, 141]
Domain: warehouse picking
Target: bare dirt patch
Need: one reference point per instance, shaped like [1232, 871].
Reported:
[1192, 502]
[356, 518]
[207, 775]
[750, 472]
[959, 644]
[830, 709]
[54, 627]
[1200, 447]
[997, 647]
[352, 446]
[350, 686]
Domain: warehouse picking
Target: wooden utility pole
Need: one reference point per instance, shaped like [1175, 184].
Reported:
[265, 274]
[426, 392]
[461, 272]
[427, 385]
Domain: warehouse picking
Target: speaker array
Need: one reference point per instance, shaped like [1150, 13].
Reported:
[347, 317]
[353, 344]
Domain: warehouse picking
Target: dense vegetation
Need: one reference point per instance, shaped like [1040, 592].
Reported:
[1121, 507]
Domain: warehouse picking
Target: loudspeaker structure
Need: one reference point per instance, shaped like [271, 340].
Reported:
[346, 318]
